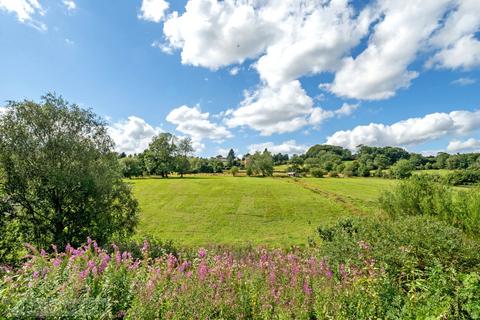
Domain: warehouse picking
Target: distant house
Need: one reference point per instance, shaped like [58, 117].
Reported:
[293, 174]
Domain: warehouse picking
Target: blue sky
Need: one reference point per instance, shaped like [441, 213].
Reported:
[253, 74]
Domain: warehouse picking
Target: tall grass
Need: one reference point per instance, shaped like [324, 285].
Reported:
[426, 195]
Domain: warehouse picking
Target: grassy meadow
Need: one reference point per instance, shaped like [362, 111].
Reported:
[201, 210]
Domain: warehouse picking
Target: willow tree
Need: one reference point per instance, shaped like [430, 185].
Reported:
[61, 180]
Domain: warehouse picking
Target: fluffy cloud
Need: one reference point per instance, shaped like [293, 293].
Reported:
[458, 46]
[25, 10]
[234, 71]
[464, 146]
[294, 38]
[153, 10]
[289, 147]
[464, 81]
[132, 135]
[382, 68]
[70, 4]
[285, 109]
[319, 115]
[215, 33]
[192, 122]
[408, 132]
[273, 110]
[314, 37]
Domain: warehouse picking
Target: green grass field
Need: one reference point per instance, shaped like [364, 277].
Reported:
[202, 210]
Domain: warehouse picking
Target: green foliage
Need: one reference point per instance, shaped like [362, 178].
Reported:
[402, 169]
[317, 172]
[183, 149]
[131, 166]
[61, 179]
[318, 150]
[160, 155]
[234, 171]
[427, 268]
[463, 177]
[424, 195]
[231, 158]
[260, 164]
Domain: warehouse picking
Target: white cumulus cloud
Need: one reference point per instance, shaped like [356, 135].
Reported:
[196, 124]
[408, 132]
[314, 36]
[214, 33]
[273, 110]
[132, 135]
[459, 48]
[288, 147]
[281, 110]
[153, 10]
[382, 68]
[468, 145]
[70, 4]
[464, 81]
[25, 10]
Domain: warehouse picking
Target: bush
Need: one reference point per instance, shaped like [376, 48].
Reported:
[423, 195]
[422, 266]
[317, 172]
[463, 177]
[234, 170]
[402, 169]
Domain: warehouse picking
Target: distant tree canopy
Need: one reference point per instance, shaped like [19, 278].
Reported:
[320, 149]
[160, 155]
[260, 164]
[60, 180]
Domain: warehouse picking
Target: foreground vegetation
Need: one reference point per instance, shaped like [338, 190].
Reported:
[413, 267]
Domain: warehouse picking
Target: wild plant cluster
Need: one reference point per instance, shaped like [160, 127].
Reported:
[357, 269]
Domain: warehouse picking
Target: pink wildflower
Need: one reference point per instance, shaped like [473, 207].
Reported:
[56, 262]
[202, 271]
[202, 253]
[306, 288]
[145, 247]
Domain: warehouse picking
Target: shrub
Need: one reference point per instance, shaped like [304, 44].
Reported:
[317, 172]
[423, 195]
[333, 174]
[402, 169]
[463, 177]
[234, 171]
[425, 265]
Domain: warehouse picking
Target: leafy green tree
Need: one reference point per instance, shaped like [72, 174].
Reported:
[402, 169]
[260, 164]
[160, 155]
[234, 171]
[130, 166]
[61, 179]
[381, 161]
[296, 163]
[351, 169]
[441, 160]
[216, 165]
[184, 149]
[231, 158]
[317, 172]
[266, 164]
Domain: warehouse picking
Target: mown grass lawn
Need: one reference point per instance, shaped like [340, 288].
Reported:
[366, 189]
[203, 210]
